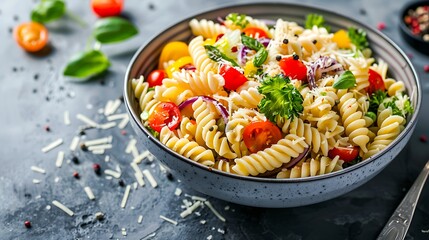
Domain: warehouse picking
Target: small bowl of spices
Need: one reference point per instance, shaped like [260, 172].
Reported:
[414, 25]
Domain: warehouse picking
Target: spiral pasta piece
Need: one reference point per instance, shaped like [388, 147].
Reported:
[200, 83]
[249, 98]
[224, 165]
[187, 129]
[206, 28]
[207, 131]
[316, 140]
[199, 56]
[187, 148]
[142, 93]
[359, 66]
[352, 121]
[270, 158]
[312, 167]
[172, 90]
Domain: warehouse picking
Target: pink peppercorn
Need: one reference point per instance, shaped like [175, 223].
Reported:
[96, 168]
[27, 224]
[423, 138]
[381, 26]
[124, 132]
[426, 68]
[76, 175]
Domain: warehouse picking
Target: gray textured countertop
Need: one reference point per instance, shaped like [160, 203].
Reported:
[34, 94]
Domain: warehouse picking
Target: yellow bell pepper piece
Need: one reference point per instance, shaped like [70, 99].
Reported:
[210, 41]
[249, 69]
[172, 51]
[342, 39]
[178, 64]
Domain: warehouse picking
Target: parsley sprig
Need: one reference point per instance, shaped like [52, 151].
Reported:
[281, 98]
[358, 38]
[238, 20]
[375, 100]
[316, 20]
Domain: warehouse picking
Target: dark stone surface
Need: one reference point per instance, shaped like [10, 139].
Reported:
[34, 94]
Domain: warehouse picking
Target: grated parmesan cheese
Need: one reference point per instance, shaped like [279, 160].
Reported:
[198, 198]
[107, 125]
[191, 209]
[124, 122]
[117, 117]
[210, 237]
[139, 178]
[125, 198]
[98, 151]
[62, 207]
[66, 118]
[52, 145]
[140, 219]
[37, 169]
[131, 145]
[208, 204]
[89, 193]
[168, 220]
[87, 120]
[36, 181]
[124, 232]
[203, 222]
[74, 143]
[60, 159]
[112, 173]
[150, 178]
[107, 158]
[100, 147]
[98, 141]
[108, 107]
[178, 192]
[141, 156]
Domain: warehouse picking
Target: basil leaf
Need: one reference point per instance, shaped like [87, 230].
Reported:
[87, 64]
[217, 56]
[371, 115]
[345, 81]
[251, 43]
[48, 10]
[113, 29]
[260, 57]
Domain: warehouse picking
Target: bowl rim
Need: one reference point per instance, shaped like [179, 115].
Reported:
[135, 117]
[403, 26]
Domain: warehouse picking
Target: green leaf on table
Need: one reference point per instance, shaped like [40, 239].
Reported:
[345, 81]
[87, 64]
[48, 10]
[113, 29]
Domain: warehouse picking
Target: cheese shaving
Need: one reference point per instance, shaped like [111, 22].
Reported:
[141, 156]
[150, 178]
[191, 209]
[125, 198]
[107, 158]
[140, 219]
[89, 193]
[87, 120]
[62, 207]
[108, 107]
[131, 145]
[60, 159]
[124, 232]
[178, 192]
[66, 118]
[100, 147]
[117, 117]
[74, 143]
[52, 145]
[108, 125]
[114, 107]
[124, 123]
[98, 141]
[208, 204]
[198, 198]
[203, 222]
[98, 151]
[112, 173]
[168, 220]
[37, 169]
[139, 178]
[36, 181]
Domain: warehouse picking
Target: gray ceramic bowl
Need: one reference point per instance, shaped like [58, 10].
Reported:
[263, 192]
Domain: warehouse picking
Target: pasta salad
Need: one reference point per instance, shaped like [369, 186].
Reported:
[272, 98]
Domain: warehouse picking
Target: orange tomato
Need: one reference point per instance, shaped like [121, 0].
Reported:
[31, 36]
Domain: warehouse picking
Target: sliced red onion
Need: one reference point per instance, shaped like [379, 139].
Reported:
[222, 110]
[294, 161]
[221, 20]
[265, 41]
[242, 51]
[321, 67]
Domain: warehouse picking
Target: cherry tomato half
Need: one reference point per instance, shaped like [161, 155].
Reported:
[260, 135]
[107, 8]
[165, 114]
[255, 32]
[31, 36]
[233, 77]
[347, 154]
[293, 68]
[375, 82]
[155, 77]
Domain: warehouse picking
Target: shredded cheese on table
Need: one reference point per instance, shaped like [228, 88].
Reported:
[52, 145]
[62, 207]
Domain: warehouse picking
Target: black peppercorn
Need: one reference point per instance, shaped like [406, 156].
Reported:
[295, 57]
[285, 41]
[278, 57]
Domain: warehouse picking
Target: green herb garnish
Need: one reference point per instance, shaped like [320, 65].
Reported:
[375, 100]
[316, 20]
[345, 81]
[48, 10]
[238, 20]
[371, 115]
[358, 38]
[113, 29]
[87, 64]
[216, 55]
[261, 54]
[400, 107]
[281, 98]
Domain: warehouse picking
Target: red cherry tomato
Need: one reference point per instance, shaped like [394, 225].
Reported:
[107, 8]
[375, 82]
[165, 114]
[259, 135]
[219, 36]
[233, 78]
[155, 77]
[347, 154]
[293, 68]
[255, 32]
